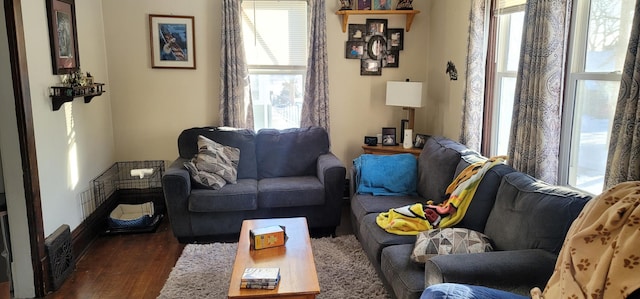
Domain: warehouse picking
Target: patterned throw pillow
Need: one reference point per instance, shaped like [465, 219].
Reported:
[214, 165]
[448, 241]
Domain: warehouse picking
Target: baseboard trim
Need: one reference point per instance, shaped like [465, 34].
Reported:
[85, 233]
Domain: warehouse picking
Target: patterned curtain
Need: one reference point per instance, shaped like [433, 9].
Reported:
[236, 109]
[623, 163]
[315, 109]
[534, 143]
[473, 105]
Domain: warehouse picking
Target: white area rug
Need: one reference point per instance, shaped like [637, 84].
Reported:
[204, 271]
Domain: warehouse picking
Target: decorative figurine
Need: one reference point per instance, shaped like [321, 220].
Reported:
[345, 4]
[404, 5]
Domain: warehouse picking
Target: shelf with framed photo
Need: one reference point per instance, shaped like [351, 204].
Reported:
[409, 15]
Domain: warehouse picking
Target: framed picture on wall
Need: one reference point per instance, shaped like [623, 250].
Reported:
[172, 41]
[377, 27]
[395, 38]
[63, 36]
[357, 32]
[354, 49]
[370, 67]
[392, 59]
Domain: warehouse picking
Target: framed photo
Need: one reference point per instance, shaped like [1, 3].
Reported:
[364, 4]
[354, 49]
[63, 36]
[172, 42]
[421, 139]
[381, 4]
[370, 67]
[392, 59]
[389, 136]
[377, 27]
[395, 38]
[376, 47]
[357, 32]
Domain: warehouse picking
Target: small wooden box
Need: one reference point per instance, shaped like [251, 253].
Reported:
[266, 237]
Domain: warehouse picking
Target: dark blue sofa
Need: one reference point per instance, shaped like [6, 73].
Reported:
[281, 173]
[526, 219]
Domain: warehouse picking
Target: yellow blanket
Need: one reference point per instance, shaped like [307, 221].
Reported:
[600, 257]
[412, 219]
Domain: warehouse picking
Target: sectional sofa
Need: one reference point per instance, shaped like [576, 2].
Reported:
[525, 219]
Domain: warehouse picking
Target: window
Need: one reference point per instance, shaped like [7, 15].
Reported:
[599, 38]
[508, 18]
[275, 39]
[598, 48]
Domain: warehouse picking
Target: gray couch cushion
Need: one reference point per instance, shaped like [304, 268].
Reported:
[290, 152]
[290, 192]
[242, 196]
[405, 277]
[374, 239]
[530, 214]
[437, 166]
[363, 204]
[238, 138]
[483, 199]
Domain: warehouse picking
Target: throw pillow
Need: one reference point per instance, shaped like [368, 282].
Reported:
[448, 241]
[203, 178]
[214, 165]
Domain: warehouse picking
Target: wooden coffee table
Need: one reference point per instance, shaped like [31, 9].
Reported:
[298, 277]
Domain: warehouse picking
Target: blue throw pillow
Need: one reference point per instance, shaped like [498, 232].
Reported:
[386, 174]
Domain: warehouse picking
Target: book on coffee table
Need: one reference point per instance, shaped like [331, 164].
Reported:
[260, 278]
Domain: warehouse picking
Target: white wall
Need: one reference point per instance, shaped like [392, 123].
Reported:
[448, 40]
[152, 106]
[75, 143]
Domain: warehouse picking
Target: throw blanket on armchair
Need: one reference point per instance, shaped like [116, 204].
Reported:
[599, 257]
[412, 219]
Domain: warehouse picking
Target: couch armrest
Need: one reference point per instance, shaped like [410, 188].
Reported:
[332, 174]
[353, 181]
[514, 271]
[176, 185]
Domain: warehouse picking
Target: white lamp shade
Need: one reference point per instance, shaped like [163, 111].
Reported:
[404, 94]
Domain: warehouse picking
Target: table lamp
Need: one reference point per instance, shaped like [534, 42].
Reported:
[407, 95]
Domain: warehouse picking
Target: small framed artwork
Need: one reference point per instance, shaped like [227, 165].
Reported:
[357, 32]
[364, 4]
[376, 47]
[63, 36]
[354, 49]
[395, 38]
[377, 27]
[381, 4]
[389, 136]
[421, 139]
[172, 41]
[392, 59]
[370, 67]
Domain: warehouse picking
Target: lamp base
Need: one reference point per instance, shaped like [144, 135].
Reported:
[412, 116]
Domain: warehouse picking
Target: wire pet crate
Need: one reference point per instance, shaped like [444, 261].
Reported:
[132, 182]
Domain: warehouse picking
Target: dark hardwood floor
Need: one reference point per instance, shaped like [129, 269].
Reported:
[134, 265]
[124, 266]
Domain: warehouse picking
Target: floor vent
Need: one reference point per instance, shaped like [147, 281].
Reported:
[60, 255]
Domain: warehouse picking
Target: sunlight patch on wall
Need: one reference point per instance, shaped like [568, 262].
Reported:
[73, 147]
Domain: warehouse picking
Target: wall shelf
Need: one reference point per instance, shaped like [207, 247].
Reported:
[409, 14]
[63, 94]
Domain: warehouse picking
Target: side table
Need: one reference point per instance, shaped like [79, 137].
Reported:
[390, 150]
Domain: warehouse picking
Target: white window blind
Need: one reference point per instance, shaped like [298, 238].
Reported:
[509, 6]
[272, 32]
